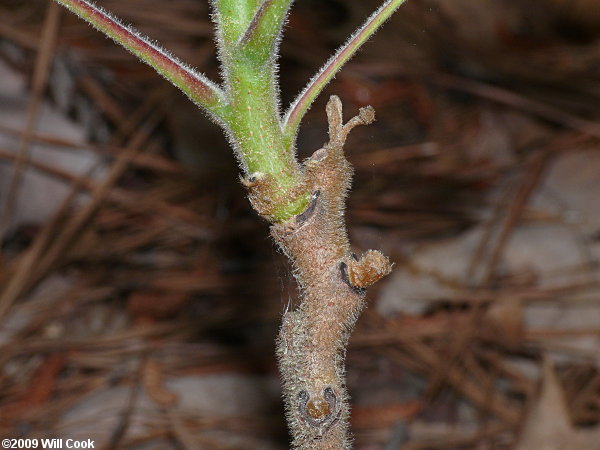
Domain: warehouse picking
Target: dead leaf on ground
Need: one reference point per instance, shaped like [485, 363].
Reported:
[548, 425]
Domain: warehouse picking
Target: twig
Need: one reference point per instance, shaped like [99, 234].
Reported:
[313, 337]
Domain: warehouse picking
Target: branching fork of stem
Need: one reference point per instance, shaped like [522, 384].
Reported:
[247, 105]
[304, 202]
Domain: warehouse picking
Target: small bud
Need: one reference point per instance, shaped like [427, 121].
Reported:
[367, 115]
[253, 179]
[369, 269]
[320, 410]
[317, 409]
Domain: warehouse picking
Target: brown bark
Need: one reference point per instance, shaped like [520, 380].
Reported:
[313, 338]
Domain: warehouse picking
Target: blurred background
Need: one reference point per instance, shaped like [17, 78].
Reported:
[140, 295]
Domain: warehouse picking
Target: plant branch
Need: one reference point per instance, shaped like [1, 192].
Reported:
[313, 338]
[196, 86]
[258, 18]
[248, 33]
[302, 103]
[304, 202]
[262, 35]
[231, 18]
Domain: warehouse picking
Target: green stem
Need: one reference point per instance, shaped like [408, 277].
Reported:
[261, 38]
[231, 19]
[248, 34]
[302, 103]
[256, 134]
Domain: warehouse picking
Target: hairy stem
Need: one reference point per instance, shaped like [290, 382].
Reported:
[261, 38]
[305, 203]
[248, 35]
[196, 86]
[302, 103]
[313, 338]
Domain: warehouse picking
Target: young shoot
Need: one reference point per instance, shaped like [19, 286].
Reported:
[303, 202]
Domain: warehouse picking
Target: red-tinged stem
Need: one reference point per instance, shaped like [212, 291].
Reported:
[261, 37]
[195, 85]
